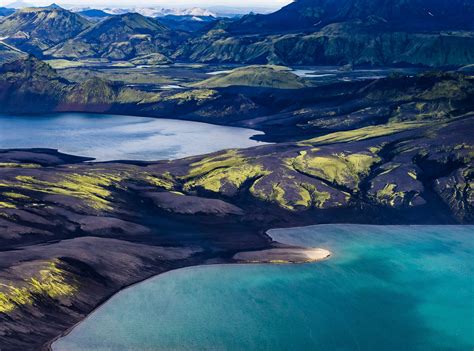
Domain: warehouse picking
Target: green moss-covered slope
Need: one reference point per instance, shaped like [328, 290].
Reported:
[256, 76]
[123, 37]
[34, 30]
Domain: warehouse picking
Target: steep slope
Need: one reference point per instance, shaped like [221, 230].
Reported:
[119, 38]
[396, 14]
[36, 29]
[338, 32]
[360, 44]
[30, 85]
[4, 11]
[30, 82]
[335, 44]
[9, 53]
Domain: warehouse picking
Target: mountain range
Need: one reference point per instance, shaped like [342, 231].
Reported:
[121, 37]
[388, 15]
[359, 32]
[306, 32]
[37, 29]
[179, 20]
[161, 12]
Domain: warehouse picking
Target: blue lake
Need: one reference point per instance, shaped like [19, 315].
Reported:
[385, 288]
[113, 137]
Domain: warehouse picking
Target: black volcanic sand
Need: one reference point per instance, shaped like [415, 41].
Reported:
[73, 233]
[101, 253]
[148, 227]
[106, 255]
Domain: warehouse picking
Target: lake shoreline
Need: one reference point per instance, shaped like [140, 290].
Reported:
[258, 257]
[340, 256]
[48, 346]
[127, 214]
[289, 255]
[121, 137]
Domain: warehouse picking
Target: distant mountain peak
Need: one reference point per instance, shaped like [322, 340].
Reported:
[18, 5]
[54, 6]
[33, 29]
[161, 12]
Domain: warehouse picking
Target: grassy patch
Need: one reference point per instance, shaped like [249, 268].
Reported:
[235, 176]
[305, 195]
[389, 196]
[362, 133]
[18, 165]
[345, 170]
[4, 204]
[229, 168]
[165, 181]
[197, 95]
[228, 159]
[92, 188]
[49, 282]
[63, 64]
[267, 76]
[15, 195]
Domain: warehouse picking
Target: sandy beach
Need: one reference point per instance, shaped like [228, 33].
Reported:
[283, 255]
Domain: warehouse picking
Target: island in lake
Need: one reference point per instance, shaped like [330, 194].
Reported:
[133, 145]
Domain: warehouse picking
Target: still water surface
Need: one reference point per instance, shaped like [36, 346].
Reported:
[385, 288]
[113, 137]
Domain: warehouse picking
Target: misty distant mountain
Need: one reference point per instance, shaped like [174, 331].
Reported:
[18, 5]
[187, 23]
[161, 12]
[180, 21]
[239, 11]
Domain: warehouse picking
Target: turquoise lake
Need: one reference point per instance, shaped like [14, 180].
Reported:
[113, 137]
[385, 288]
